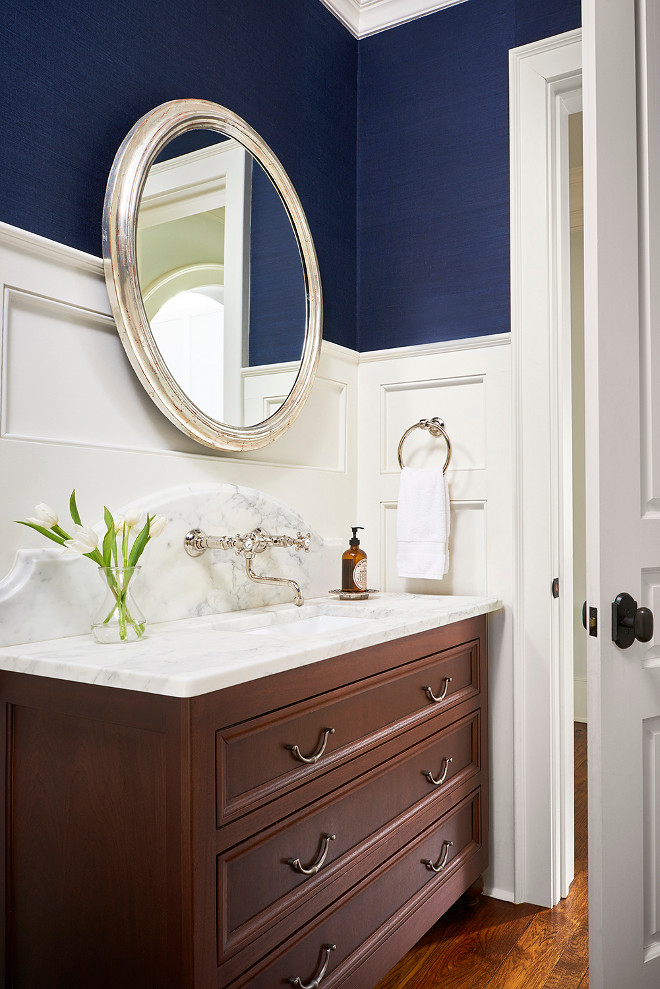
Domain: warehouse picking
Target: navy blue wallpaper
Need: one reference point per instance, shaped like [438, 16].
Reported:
[75, 76]
[400, 161]
[433, 170]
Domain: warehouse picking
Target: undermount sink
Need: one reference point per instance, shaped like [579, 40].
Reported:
[293, 623]
[301, 629]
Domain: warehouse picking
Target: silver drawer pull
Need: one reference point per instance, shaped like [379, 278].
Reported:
[316, 981]
[297, 866]
[297, 754]
[443, 693]
[446, 845]
[443, 774]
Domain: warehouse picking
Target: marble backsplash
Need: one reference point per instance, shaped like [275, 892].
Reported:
[49, 594]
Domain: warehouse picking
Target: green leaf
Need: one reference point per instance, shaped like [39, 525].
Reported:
[124, 544]
[73, 508]
[109, 538]
[95, 557]
[140, 543]
[48, 533]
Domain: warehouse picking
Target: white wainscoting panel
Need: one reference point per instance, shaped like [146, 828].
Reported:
[470, 390]
[73, 413]
[60, 359]
[468, 568]
[463, 399]
[319, 436]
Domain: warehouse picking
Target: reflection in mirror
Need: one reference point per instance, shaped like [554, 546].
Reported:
[221, 277]
[224, 241]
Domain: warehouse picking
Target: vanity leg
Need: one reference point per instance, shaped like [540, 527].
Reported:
[471, 898]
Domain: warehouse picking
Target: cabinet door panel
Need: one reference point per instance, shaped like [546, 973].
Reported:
[87, 861]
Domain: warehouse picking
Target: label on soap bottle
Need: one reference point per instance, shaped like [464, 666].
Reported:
[360, 575]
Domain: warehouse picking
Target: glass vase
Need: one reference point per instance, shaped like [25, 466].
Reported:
[119, 618]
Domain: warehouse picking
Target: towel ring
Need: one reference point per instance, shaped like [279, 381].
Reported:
[435, 427]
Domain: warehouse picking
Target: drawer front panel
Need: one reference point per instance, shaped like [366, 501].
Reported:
[256, 760]
[258, 886]
[388, 895]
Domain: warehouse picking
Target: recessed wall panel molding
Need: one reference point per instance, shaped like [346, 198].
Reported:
[649, 253]
[467, 573]
[651, 599]
[651, 771]
[318, 438]
[459, 402]
[73, 414]
[66, 380]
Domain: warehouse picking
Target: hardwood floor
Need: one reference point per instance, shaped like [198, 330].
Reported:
[507, 945]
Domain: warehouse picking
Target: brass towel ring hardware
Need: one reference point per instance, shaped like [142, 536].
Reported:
[311, 870]
[443, 775]
[436, 427]
[443, 693]
[446, 845]
[316, 982]
[297, 754]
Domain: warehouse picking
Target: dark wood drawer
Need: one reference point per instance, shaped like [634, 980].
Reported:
[255, 761]
[261, 895]
[362, 919]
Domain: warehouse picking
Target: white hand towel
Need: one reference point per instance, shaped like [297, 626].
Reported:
[422, 524]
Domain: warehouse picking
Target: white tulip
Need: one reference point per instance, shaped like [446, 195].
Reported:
[84, 540]
[133, 517]
[157, 526]
[44, 516]
[119, 524]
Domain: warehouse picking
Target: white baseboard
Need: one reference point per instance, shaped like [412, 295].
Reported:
[499, 894]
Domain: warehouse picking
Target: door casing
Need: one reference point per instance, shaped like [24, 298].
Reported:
[545, 87]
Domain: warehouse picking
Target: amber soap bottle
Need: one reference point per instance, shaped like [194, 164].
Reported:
[354, 565]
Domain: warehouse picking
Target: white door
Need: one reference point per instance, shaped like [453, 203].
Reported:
[621, 80]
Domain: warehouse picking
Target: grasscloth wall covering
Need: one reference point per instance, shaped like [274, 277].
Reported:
[433, 170]
[75, 76]
[410, 150]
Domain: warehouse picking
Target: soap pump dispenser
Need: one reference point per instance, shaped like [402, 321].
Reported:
[354, 566]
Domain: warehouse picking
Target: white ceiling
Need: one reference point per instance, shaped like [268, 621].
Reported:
[364, 17]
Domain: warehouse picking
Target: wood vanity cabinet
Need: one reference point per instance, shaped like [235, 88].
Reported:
[160, 842]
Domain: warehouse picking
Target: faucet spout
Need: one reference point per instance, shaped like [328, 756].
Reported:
[257, 541]
[261, 579]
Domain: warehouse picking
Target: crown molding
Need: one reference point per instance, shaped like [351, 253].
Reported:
[365, 17]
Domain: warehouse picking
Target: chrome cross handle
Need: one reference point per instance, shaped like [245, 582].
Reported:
[197, 542]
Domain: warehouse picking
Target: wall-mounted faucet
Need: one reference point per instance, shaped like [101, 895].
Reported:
[197, 542]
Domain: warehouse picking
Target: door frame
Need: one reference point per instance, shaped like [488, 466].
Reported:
[545, 87]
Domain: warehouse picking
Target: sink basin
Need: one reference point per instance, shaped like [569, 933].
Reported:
[304, 627]
[290, 623]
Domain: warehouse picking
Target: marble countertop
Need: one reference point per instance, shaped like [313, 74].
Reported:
[197, 655]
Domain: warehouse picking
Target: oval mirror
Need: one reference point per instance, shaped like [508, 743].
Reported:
[212, 275]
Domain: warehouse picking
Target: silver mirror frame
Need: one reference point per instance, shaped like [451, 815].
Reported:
[126, 182]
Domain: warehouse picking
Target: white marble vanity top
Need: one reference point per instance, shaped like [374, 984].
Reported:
[194, 656]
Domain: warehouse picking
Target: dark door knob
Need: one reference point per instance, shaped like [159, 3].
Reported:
[630, 622]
